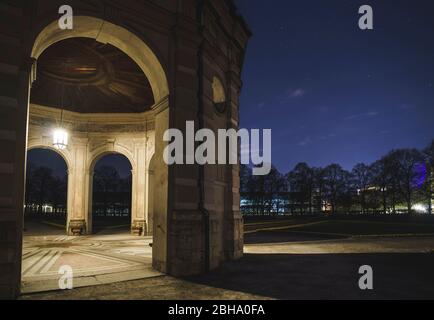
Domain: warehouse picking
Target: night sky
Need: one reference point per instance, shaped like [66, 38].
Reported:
[49, 159]
[52, 160]
[332, 93]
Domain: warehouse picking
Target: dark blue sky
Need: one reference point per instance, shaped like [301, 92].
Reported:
[54, 161]
[49, 159]
[331, 92]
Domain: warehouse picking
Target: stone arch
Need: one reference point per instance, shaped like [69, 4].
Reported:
[63, 153]
[95, 156]
[106, 32]
[147, 59]
[107, 149]
[66, 156]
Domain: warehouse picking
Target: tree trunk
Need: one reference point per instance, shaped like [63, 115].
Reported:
[430, 191]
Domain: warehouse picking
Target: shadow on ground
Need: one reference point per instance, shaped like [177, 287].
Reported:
[326, 276]
[287, 237]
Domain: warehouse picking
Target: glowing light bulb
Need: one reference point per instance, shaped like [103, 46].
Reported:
[60, 139]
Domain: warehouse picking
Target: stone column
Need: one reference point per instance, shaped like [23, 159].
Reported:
[161, 186]
[14, 94]
[186, 222]
[89, 199]
[234, 224]
[138, 203]
[149, 200]
[79, 186]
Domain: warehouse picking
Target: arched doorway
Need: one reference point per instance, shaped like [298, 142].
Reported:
[140, 52]
[111, 194]
[45, 207]
[109, 91]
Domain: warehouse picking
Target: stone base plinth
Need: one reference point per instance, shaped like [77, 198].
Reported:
[76, 227]
[187, 251]
[139, 228]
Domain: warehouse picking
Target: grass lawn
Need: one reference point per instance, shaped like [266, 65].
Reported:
[355, 226]
[360, 228]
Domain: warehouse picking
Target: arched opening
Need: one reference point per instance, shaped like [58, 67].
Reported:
[108, 90]
[45, 207]
[107, 33]
[218, 90]
[218, 95]
[111, 194]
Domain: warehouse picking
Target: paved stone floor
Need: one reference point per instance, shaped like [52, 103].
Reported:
[107, 257]
[309, 269]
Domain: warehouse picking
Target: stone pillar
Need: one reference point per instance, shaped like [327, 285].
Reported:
[89, 199]
[79, 185]
[187, 251]
[234, 224]
[138, 204]
[69, 195]
[14, 94]
[161, 187]
[149, 213]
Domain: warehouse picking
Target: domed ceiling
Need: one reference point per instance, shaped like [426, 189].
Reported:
[94, 78]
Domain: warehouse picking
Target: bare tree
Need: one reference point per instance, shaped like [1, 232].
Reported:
[404, 163]
[361, 178]
[319, 183]
[429, 160]
[380, 180]
[274, 185]
[336, 180]
[302, 182]
[42, 180]
[106, 181]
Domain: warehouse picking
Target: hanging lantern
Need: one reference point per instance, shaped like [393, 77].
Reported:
[60, 135]
[60, 139]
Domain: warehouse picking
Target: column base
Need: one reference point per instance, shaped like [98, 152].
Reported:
[186, 251]
[77, 227]
[139, 228]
